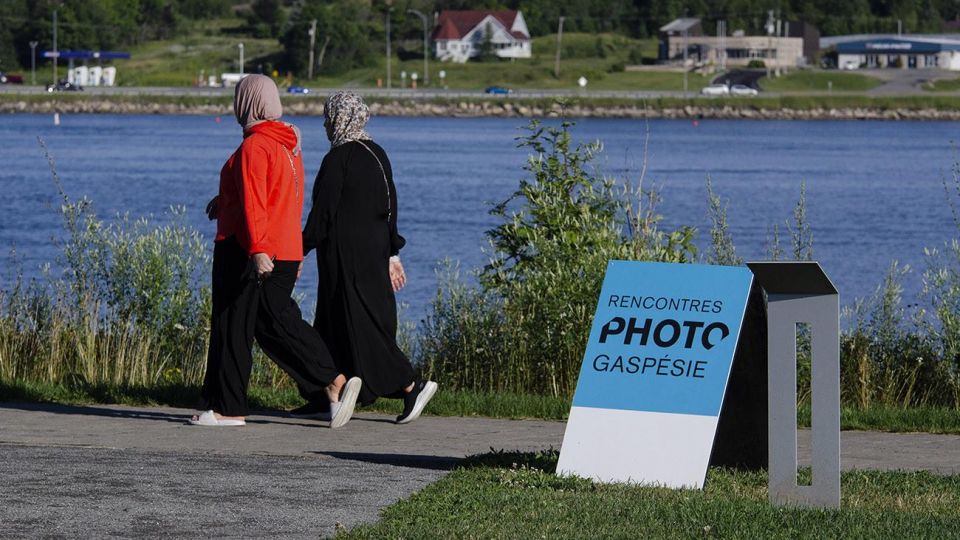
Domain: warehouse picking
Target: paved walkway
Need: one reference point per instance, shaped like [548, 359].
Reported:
[127, 471]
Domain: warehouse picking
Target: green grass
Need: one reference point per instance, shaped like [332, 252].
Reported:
[931, 101]
[513, 495]
[602, 73]
[892, 418]
[447, 403]
[179, 62]
[897, 419]
[817, 81]
[943, 85]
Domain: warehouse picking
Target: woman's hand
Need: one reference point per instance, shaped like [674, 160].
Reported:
[397, 276]
[264, 265]
[213, 207]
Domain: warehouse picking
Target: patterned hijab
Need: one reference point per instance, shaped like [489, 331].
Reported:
[347, 114]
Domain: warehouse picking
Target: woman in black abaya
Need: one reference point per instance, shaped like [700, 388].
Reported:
[353, 227]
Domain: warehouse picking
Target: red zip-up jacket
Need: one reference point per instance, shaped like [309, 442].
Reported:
[261, 193]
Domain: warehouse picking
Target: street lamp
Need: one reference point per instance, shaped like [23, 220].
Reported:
[240, 46]
[56, 52]
[387, 27]
[33, 62]
[426, 69]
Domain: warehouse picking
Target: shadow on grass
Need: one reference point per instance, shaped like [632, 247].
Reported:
[435, 463]
[544, 460]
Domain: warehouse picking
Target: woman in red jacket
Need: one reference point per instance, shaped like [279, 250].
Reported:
[256, 261]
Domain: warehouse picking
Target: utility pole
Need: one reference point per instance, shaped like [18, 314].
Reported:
[899, 27]
[56, 53]
[685, 49]
[389, 9]
[313, 39]
[776, 52]
[426, 67]
[240, 46]
[721, 47]
[556, 67]
[33, 62]
[771, 28]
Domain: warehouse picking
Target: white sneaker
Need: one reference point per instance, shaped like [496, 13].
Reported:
[341, 411]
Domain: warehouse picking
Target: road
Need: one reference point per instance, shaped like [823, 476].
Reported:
[96, 471]
[188, 91]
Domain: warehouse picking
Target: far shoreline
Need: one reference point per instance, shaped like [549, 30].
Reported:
[799, 107]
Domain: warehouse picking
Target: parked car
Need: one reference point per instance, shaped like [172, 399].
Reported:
[497, 90]
[743, 90]
[715, 90]
[64, 86]
[297, 90]
[850, 64]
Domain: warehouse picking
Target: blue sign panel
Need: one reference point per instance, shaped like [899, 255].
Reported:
[663, 337]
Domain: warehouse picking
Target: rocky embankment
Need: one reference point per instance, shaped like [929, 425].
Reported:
[485, 108]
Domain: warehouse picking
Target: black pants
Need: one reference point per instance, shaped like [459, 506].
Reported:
[244, 308]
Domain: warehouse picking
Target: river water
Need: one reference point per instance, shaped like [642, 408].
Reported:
[875, 190]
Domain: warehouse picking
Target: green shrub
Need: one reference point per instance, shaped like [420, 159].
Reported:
[523, 328]
[129, 307]
[756, 64]
[886, 359]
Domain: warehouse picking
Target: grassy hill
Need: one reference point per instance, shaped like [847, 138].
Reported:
[179, 61]
[820, 81]
[211, 49]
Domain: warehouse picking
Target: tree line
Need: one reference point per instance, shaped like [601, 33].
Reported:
[350, 33]
[95, 24]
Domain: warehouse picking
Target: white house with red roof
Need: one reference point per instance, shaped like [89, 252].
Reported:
[459, 35]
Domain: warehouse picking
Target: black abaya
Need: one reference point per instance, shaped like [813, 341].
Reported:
[244, 308]
[353, 227]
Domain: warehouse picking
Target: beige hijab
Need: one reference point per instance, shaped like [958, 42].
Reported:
[256, 100]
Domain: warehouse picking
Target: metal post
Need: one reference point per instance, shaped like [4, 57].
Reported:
[388, 47]
[33, 62]
[313, 38]
[685, 47]
[556, 68]
[56, 53]
[240, 46]
[801, 293]
[426, 67]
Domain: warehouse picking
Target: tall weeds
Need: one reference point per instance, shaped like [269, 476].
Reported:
[127, 307]
[522, 329]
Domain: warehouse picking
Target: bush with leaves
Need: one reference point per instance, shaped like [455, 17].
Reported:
[523, 329]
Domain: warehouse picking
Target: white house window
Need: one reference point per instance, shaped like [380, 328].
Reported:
[443, 45]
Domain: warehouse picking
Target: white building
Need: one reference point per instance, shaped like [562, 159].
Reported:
[896, 51]
[460, 35]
